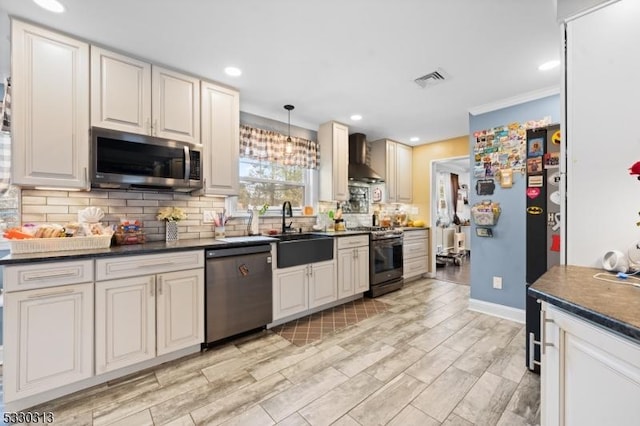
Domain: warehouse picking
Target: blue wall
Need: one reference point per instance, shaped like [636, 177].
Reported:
[504, 254]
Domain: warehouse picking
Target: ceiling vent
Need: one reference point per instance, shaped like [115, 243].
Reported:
[435, 77]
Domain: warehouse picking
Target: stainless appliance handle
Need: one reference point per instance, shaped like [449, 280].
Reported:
[187, 163]
[388, 242]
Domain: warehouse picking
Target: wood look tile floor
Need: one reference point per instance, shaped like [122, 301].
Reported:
[426, 360]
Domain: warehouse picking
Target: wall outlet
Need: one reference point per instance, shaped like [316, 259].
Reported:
[207, 216]
[497, 283]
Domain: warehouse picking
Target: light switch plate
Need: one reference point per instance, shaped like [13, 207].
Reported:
[497, 283]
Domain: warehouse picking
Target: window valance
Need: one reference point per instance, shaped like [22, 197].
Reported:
[267, 145]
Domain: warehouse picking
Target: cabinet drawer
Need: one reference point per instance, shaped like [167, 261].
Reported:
[414, 249]
[131, 266]
[47, 274]
[414, 235]
[414, 267]
[357, 241]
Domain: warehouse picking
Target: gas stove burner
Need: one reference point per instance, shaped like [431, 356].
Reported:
[379, 232]
[371, 228]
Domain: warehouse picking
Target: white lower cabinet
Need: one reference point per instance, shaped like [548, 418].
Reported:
[141, 317]
[415, 253]
[125, 322]
[322, 283]
[589, 376]
[179, 310]
[300, 288]
[353, 265]
[48, 339]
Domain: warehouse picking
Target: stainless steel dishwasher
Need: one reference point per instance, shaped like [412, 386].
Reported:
[238, 290]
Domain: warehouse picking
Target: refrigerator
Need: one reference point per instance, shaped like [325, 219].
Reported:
[542, 223]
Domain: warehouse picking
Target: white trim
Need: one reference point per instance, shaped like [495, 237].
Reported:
[500, 311]
[515, 100]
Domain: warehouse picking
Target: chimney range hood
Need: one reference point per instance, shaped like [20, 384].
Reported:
[358, 169]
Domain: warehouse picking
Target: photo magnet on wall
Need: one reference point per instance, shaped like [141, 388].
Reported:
[485, 187]
[506, 178]
[534, 165]
[536, 147]
[535, 181]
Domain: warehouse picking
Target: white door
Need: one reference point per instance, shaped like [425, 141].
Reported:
[361, 270]
[180, 310]
[220, 139]
[346, 264]
[50, 107]
[290, 292]
[175, 105]
[48, 339]
[120, 92]
[125, 322]
[322, 284]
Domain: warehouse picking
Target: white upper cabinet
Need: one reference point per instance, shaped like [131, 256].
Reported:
[120, 92]
[220, 138]
[175, 105]
[134, 96]
[333, 139]
[396, 161]
[50, 107]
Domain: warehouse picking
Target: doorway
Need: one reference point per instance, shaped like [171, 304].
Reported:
[450, 219]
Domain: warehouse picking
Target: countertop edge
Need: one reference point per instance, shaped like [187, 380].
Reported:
[612, 324]
[130, 250]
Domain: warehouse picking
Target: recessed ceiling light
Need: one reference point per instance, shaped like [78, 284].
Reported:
[414, 139]
[233, 71]
[549, 65]
[50, 5]
[356, 117]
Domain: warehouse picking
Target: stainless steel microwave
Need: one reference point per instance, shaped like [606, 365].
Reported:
[128, 160]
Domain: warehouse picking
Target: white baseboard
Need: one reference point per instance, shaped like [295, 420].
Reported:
[500, 311]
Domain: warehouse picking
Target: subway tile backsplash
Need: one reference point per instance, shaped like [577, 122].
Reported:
[39, 206]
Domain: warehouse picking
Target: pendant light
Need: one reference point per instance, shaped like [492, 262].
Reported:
[288, 149]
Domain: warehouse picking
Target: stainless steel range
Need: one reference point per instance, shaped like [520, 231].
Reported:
[385, 260]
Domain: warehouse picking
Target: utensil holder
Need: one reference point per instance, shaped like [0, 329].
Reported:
[218, 232]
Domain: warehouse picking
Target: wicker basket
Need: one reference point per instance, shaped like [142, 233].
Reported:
[39, 245]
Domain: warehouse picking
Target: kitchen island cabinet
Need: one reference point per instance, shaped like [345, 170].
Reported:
[590, 345]
[50, 108]
[135, 96]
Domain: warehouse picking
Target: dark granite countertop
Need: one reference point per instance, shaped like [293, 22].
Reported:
[574, 289]
[134, 249]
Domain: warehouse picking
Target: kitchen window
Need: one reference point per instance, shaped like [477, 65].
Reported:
[271, 183]
[275, 168]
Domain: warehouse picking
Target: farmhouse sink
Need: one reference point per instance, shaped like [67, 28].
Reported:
[301, 249]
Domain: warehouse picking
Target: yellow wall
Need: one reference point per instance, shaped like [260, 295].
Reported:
[422, 156]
